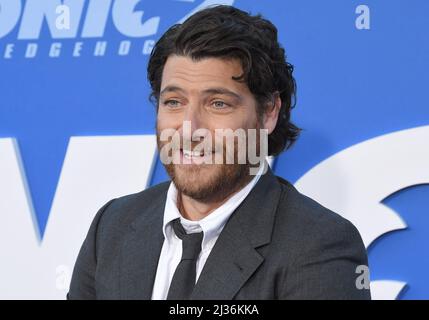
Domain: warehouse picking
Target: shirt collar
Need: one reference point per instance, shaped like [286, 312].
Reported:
[212, 224]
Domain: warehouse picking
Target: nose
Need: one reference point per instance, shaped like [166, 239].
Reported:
[192, 128]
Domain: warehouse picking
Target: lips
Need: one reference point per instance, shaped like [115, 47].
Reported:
[195, 157]
[190, 154]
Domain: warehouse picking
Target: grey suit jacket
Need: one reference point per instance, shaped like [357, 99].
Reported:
[278, 244]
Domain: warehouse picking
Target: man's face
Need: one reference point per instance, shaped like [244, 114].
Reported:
[204, 93]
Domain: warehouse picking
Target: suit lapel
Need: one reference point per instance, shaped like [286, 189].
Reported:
[141, 251]
[234, 257]
[231, 262]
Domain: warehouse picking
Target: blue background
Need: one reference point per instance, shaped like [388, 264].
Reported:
[353, 85]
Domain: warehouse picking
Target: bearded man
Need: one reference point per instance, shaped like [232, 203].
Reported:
[224, 227]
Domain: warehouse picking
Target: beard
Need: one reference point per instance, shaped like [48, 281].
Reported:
[209, 182]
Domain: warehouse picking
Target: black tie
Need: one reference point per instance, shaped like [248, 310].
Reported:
[183, 281]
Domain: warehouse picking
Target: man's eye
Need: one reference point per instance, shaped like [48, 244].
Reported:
[171, 103]
[219, 104]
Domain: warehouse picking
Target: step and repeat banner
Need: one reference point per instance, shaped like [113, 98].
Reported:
[77, 128]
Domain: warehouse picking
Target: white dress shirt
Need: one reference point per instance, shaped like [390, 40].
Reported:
[211, 225]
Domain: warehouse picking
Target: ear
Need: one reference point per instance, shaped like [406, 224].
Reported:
[272, 112]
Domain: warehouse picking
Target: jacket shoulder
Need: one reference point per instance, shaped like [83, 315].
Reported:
[122, 211]
[322, 249]
[102, 244]
[308, 213]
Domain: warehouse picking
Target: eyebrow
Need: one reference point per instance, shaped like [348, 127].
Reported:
[216, 90]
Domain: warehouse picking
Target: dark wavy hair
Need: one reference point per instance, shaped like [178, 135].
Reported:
[229, 33]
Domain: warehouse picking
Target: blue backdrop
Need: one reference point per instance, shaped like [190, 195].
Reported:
[353, 85]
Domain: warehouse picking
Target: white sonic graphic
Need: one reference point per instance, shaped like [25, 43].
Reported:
[354, 181]
[95, 170]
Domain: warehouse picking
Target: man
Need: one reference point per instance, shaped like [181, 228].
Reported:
[216, 231]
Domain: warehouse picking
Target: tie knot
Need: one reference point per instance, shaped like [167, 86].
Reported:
[191, 242]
